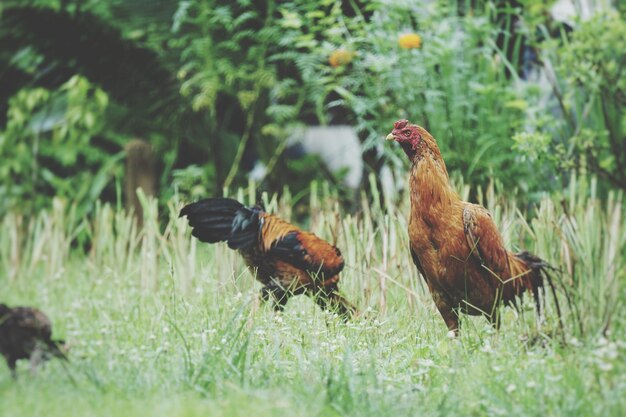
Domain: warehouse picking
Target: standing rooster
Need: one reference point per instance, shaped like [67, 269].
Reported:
[285, 259]
[25, 333]
[455, 244]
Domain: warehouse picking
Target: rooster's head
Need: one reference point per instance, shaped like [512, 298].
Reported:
[411, 137]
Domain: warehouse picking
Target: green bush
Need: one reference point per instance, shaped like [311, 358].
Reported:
[454, 82]
[48, 148]
[244, 75]
[225, 73]
[280, 65]
[235, 71]
[588, 131]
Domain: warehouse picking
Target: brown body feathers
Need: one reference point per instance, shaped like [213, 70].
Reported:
[455, 244]
[285, 259]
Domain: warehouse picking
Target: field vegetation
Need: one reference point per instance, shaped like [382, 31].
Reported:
[160, 324]
[529, 113]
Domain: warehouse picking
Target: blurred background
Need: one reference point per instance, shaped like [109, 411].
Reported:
[190, 98]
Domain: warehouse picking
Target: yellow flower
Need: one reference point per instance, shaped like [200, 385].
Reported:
[340, 57]
[410, 40]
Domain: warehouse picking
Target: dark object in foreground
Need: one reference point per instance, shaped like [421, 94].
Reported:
[25, 333]
[285, 259]
[456, 245]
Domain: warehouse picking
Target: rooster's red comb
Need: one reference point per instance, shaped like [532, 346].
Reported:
[400, 124]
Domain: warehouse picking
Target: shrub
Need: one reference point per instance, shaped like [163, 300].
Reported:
[588, 131]
[48, 148]
[411, 61]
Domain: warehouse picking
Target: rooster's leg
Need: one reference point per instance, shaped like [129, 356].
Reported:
[275, 294]
[452, 320]
[494, 319]
[36, 358]
[12, 363]
[330, 300]
[450, 316]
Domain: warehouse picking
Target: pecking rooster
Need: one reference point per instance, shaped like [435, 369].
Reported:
[285, 259]
[25, 333]
[455, 244]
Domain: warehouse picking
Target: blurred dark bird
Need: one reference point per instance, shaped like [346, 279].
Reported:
[285, 259]
[456, 245]
[25, 333]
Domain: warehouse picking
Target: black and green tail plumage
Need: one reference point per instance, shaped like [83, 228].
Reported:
[223, 219]
[540, 273]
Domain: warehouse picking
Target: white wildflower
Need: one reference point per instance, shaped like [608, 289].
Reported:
[575, 342]
[486, 347]
[427, 363]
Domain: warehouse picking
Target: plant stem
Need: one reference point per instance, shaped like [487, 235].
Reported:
[240, 150]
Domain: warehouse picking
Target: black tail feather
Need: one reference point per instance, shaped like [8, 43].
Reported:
[538, 265]
[223, 219]
[211, 205]
[539, 272]
[542, 272]
[211, 218]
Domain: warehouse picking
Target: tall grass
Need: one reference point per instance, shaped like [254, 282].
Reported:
[162, 324]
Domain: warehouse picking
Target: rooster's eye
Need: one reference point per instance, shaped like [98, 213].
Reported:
[407, 133]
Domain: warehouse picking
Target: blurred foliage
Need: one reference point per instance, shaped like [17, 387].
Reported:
[48, 135]
[194, 182]
[418, 61]
[587, 130]
[225, 73]
[44, 47]
[215, 85]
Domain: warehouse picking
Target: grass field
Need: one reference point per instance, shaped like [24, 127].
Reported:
[161, 325]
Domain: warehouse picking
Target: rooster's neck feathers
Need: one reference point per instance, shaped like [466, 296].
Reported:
[425, 147]
[430, 184]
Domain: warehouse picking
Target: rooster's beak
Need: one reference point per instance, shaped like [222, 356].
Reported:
[390, 137]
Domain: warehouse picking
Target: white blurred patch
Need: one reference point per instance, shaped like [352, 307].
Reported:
[567, 11]
[258, 171]
[338, 146]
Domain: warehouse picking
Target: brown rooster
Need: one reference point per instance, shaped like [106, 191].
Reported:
[25, 333]
[455, 244]
[285, 259]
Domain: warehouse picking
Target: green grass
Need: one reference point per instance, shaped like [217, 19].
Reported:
[160, 324]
